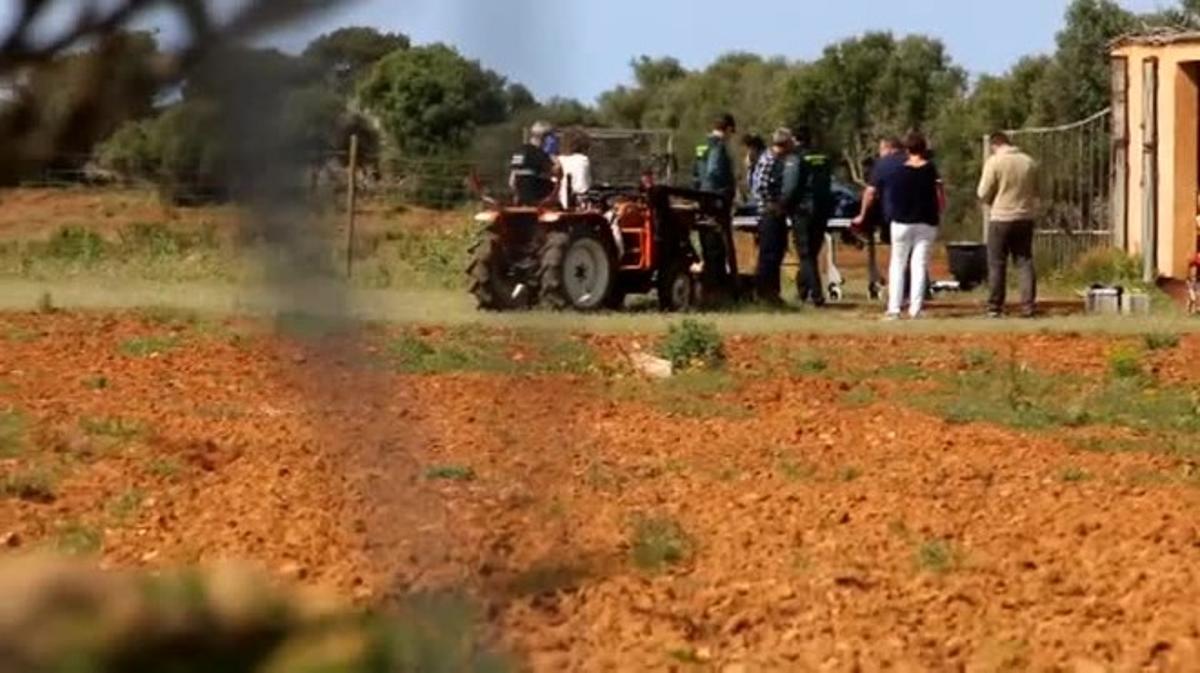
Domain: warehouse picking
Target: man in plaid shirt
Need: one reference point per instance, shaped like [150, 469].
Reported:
[773, 223]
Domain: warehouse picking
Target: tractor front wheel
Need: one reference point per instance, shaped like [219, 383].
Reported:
[579, 271]
[676, 287]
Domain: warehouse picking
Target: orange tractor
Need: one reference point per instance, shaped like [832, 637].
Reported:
[619, 241]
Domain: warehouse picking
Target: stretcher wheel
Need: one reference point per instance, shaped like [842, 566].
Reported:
[836, 294]
[875, 291]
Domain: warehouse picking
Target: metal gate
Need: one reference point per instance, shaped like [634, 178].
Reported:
[1074, 176]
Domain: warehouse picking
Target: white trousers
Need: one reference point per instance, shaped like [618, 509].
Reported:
[910, 243]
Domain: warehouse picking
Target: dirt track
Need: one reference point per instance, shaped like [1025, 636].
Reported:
[823, 535]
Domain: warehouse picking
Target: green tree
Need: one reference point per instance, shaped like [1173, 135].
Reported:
[311, 121]
[346, 54]
[867, 86]
[1076, 84]
[519, 98]
[191, 152]
[429, 100]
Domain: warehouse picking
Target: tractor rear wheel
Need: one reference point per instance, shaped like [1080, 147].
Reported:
[579, 271]
[493, 289]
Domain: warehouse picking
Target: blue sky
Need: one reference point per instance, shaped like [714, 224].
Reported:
[579, 48]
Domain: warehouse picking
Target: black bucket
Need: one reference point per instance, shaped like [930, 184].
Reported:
[968, 264]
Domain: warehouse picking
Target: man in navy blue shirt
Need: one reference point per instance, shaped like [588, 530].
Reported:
[879, 195]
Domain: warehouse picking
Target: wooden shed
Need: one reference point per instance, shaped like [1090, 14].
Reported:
[1156, 150]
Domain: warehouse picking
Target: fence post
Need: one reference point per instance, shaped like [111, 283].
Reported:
[351, 204]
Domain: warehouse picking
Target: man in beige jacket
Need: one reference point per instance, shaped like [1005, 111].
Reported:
[1009, 187]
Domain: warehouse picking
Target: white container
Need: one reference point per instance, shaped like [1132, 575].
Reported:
[1104, 301]
[1135, 303]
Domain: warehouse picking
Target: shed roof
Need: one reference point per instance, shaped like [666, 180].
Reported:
[1158, 38]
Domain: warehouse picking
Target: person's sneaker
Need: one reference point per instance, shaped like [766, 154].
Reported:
[995, 315]
[891, 317]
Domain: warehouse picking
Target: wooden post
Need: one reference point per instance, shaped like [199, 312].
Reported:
[671, 159]
[1119, 191]
[983, 207]
[351, 204]
[1150, 171]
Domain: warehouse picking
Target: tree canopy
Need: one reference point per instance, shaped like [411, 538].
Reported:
[429, 100]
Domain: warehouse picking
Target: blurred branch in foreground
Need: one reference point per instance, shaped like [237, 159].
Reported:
[60, 616]
[104, 88]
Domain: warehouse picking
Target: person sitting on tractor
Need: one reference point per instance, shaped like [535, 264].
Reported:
[532, 170]
[576, 168]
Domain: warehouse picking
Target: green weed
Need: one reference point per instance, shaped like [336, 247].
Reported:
[458, 350]
[12, 433]
[21, 335]
[848, 474]
[166, 468]
[77, 539]
[692, 394]
[111, 427]
[32, 486]
[904, 371]
[686, 655]
[937, 556]
[1161, 341]
[1074, 475]
[450, 473]
[149, 346]
[74, 244]
[975, 358]
[156, 240]
[794, 471]
[811, 365]
[693, 345]
[1125, 363]
[126, 505]
[659, 543]
[859, 396]
[96, 383]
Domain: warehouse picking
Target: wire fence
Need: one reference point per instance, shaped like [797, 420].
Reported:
[1075, 166]
[619, 157]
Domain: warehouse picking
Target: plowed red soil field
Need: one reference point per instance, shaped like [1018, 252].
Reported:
[799, 512]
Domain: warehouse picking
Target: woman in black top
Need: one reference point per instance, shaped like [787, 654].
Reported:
[918, 203]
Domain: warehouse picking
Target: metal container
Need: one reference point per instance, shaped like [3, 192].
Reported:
[1104, 300]
[1135, 303]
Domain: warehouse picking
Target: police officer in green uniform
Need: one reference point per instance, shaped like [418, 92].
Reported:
[713, 170]
[809, 185]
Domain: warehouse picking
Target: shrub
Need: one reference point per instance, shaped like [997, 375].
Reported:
[450, 473]
[1108, 266]
[937, 556]
[1125, 363]
[694, 345]
[130, 152]
[659, 543]
[76, 244]
[1161, 341]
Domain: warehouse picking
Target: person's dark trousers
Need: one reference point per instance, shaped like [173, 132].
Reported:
[1015, 240]
[772, 248]
[810, 239]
